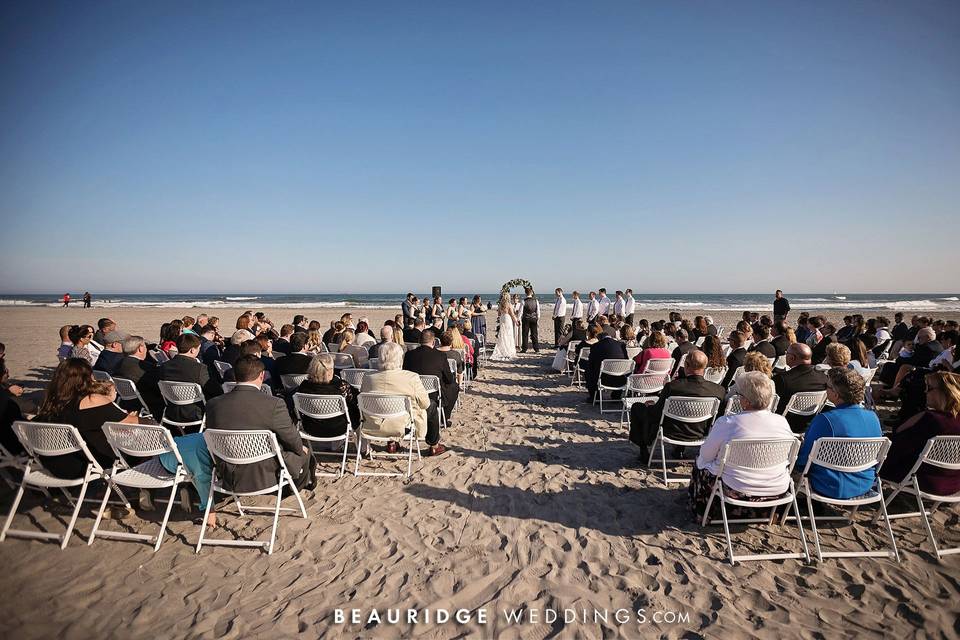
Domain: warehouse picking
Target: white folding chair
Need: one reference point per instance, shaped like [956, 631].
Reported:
[159, 356]
[374, 364]
[102, 376]
[354, 377]
[385, 406]
[633, 352]
[10, 461]
[181, 394]
[332, 347]
[320, 407]
[570, 359]
[291, 381]
[780, 364]
[679, 365]
[847, 455]
[613, 367]
[822, 367]
[127, 392]
[247, 447]
[222, 368]
[701, 340]
[715, 374]
[942, 452]
[342, 361]
[580, 366]
[50, 439]
[141, 441]
[733, 404]
[751, 456]
[230, 386]
[739, 371]
[659, 365]
[805, 403]
[642, 387]
[687, 409]
[432, 385]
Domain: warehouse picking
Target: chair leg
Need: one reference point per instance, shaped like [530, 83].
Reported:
[346, 447]
[15, 505]
[166, 515]
[103, 507]
[883, 507]
[813, 524]
[726, 524]
[706, 511]
[276, 517]
[796, 512]
[663, 462]
[356, 468]
[206, 512]
[236, 500]
[76, 512]
[410, 446]
[296, 494]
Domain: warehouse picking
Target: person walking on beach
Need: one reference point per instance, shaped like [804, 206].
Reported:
[66, 299]
[781, 306]
[86, 300]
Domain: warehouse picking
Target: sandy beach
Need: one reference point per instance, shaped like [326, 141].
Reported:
[540, 506]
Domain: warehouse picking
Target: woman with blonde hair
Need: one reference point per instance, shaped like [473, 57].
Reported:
[791, 335]
[457, 342]
[314, 342]
[756, 361]
[506, 347]
[360, 355]
[942, 418]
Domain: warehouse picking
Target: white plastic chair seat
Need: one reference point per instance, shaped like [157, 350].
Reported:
[43, 478]
[147, 475]
[685, 409]
[869, 497]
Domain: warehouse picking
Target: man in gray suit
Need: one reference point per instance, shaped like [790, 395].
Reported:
[247, 408]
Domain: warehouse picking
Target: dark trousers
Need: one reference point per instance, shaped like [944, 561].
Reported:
[433, 422]
[557, 330]
[643, 426]
[529, 330]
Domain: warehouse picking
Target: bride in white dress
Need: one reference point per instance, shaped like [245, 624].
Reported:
[506, 348]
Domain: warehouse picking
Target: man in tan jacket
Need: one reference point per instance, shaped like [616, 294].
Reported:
[394, 380]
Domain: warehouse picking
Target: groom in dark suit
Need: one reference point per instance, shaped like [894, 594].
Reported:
[531, 314]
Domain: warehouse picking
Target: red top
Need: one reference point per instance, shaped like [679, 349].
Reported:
[648, 354]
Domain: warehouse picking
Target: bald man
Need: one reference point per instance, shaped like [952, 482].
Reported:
[801, 377]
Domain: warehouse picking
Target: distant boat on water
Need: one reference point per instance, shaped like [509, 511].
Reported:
[836, 297]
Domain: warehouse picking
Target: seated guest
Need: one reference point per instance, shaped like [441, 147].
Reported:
[755, 421]
[608, 328]
[780, 341]
[386, 335]
[188, 324]
[941, 418]
[74, 397]
[9, 413]
[946, 358]
[574, 331]
[801, 377]
[134, 363]
[683, 344]
[316, 343]
[104, 326]
[169, 332]
[925, 349]
[246, 408]
[298, 361]
[460, 344]
[300, 323]
[232, 352]
[322, 381]
[359, 353]
[112, 352]
[837, 355]
[471, 345]
[446, 348]
[756, 361]
[282, 344]
[81, 335]
[645, 419]
[248, 348]
[656, 347]
[66, 345]
[714, 351]
[363, 337]
[394, 380]
[209, 347]
[183, 367]
[606, 348]
[849, 419]
[735, 357]
[412, 333]
[628, 335]
[427, 361]
[761, 341]
[819, 351]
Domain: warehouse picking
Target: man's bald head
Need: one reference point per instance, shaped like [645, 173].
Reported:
[800, 352]
[386, 333]
[695, 363]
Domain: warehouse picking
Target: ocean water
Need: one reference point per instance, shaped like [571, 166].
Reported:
[931, 302]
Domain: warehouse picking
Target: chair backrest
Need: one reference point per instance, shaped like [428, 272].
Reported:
[848, 455]
[431, 383]
[181, 393]
[691, 409]
[453, 365]
[659, 365]
[868, 376]
[682, 361]
[822, 367]
[701, 340]
[739, 371]
[230, 386]
[52, 439]
[320, 407]
[780, 362]
[291, 381]
[806, 403]
[374, 364]
[354, 377]
[140, 440]
[572, 348]
[760, 454]
[734, 406]
[102, 376]
[647, 383]
[942, 451]
[385, 405]
[715, 374]
[633, 352]
[126, 389]
[242, 446]
[332, 347]
[159, 356]
[222, 367]
[584, 354]
[342, 361]
[617, 367]
[771, 361]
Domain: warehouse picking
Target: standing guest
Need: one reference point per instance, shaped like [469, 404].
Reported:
[619, 304]
[593, 308]
[735, 357]
[802, 376]
[80, 336]
[559, 315]
[781, 306]
[323, 381]
[87, 299]
[66, 345]
[629, 307]
[66, 299]
[407, 308]
[478, 317]
[577, 310]
[246, 408]
[394, 380]
[941, 418]
[529, 319]
[754, 421]
[112, 352]
[603, 302]
[74, 397]
[849, 419]
[427, 361]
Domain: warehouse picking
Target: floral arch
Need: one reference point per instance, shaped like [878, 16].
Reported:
[516, 282]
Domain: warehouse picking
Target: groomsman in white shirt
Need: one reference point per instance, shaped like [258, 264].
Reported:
[577, 310]
[629, 307]
[618, 304]
[559, 315]
[593, 307]
[604, 302]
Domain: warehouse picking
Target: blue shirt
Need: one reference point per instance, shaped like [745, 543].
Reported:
[846, 421]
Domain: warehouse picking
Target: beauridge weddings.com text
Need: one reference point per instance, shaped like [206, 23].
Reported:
[520, 615]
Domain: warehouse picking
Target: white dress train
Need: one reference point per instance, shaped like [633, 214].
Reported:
[506, 347]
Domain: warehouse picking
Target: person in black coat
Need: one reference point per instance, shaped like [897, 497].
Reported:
[735, 358]
[411, 335]
[781, 306]
[683, 344]
[209, 348]
[802, 376]
[247, 408]
[761, 342]
[184, 367]
[606, 348]
[645, 419]
[780, 341]
[112, 352]
[298, 361]
[427, 361]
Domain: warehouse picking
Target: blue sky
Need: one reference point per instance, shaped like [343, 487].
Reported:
[317, 147]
